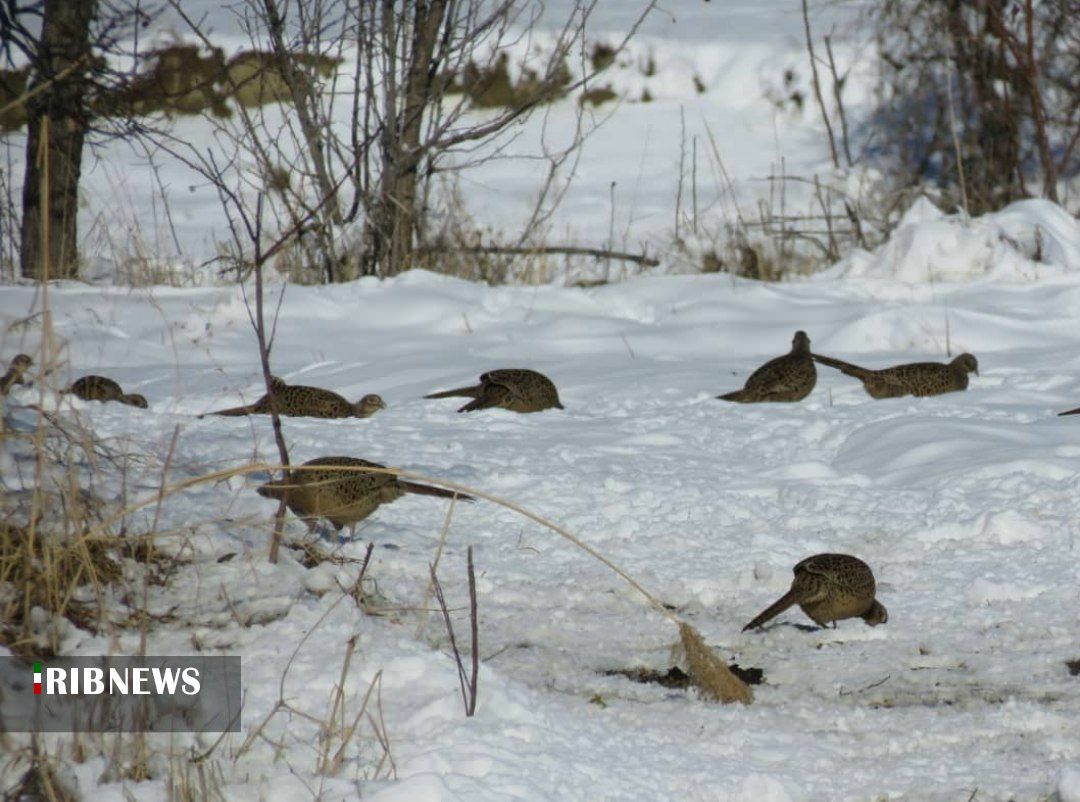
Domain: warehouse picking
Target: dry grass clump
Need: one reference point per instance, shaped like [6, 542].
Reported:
[254, 76]
[461, 255]
[597, 96]
[41, 780]
[710, 676]
[490, 85]
[40, 569]
[181, 78]
[56, 558]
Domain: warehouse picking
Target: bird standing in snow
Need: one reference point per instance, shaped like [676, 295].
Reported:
[338, 489]
[829, 588]
[102, 388]
[915, 378]
[14, 375]
[790, 377]
[301, 401]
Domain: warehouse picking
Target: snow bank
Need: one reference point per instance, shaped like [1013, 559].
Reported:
[1025, 241]
[965, 505]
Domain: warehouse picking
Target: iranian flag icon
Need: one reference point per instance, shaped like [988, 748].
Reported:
[37, 679]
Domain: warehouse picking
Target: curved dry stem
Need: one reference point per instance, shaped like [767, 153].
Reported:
[709, 673]
[226, 473]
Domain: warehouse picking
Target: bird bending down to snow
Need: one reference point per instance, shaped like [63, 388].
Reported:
[829, 588]
[515, 389]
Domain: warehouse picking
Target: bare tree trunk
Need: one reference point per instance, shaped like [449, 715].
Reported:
[305, 103]
[65, 42]
[393, 227]
[1027, 69]
[980, 60]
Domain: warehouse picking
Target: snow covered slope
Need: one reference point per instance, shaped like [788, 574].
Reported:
[965, 505]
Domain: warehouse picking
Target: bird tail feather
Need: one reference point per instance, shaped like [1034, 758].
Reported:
[734, 395]
[274, 489]
[230, 412]
[477, 403]
[773, 610]
[465, 392]
[844, 367]
[428, 490]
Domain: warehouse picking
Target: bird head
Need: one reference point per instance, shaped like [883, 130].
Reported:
[800, 343]
[368, 405]
[877, 614]
[967, 363]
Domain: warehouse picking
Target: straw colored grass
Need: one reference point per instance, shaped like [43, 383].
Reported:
[709, 674]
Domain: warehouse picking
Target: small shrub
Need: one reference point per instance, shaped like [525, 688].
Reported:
[43, 569]
[597, 97]
[12, 87]
[181, 79]
[490, 86]
[602, 57]
[254, 79]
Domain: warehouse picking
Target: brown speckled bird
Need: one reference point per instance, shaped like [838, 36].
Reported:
[301, 401]
[790, 377]
[829, 588]
[102, 388]
[915, 378]
[343, 497]
[14, 375]
[515, 389]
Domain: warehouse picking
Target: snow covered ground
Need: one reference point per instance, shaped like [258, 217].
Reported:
[965, 505]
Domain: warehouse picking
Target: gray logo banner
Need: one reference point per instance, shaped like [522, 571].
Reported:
[120, 694]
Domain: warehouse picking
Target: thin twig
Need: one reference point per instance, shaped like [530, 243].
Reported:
[441, 599]
[443, 532]
[817, 84]
[956, 137]
[882, 681]
[474, 621]
[568, 250]
[838, 96]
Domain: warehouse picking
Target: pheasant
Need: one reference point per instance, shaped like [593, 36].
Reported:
[14, 375]
[343, 497]
[790, 377]
[914, 378]
[829, 588]
[515, 389]
[301, 401]
[102, 388]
